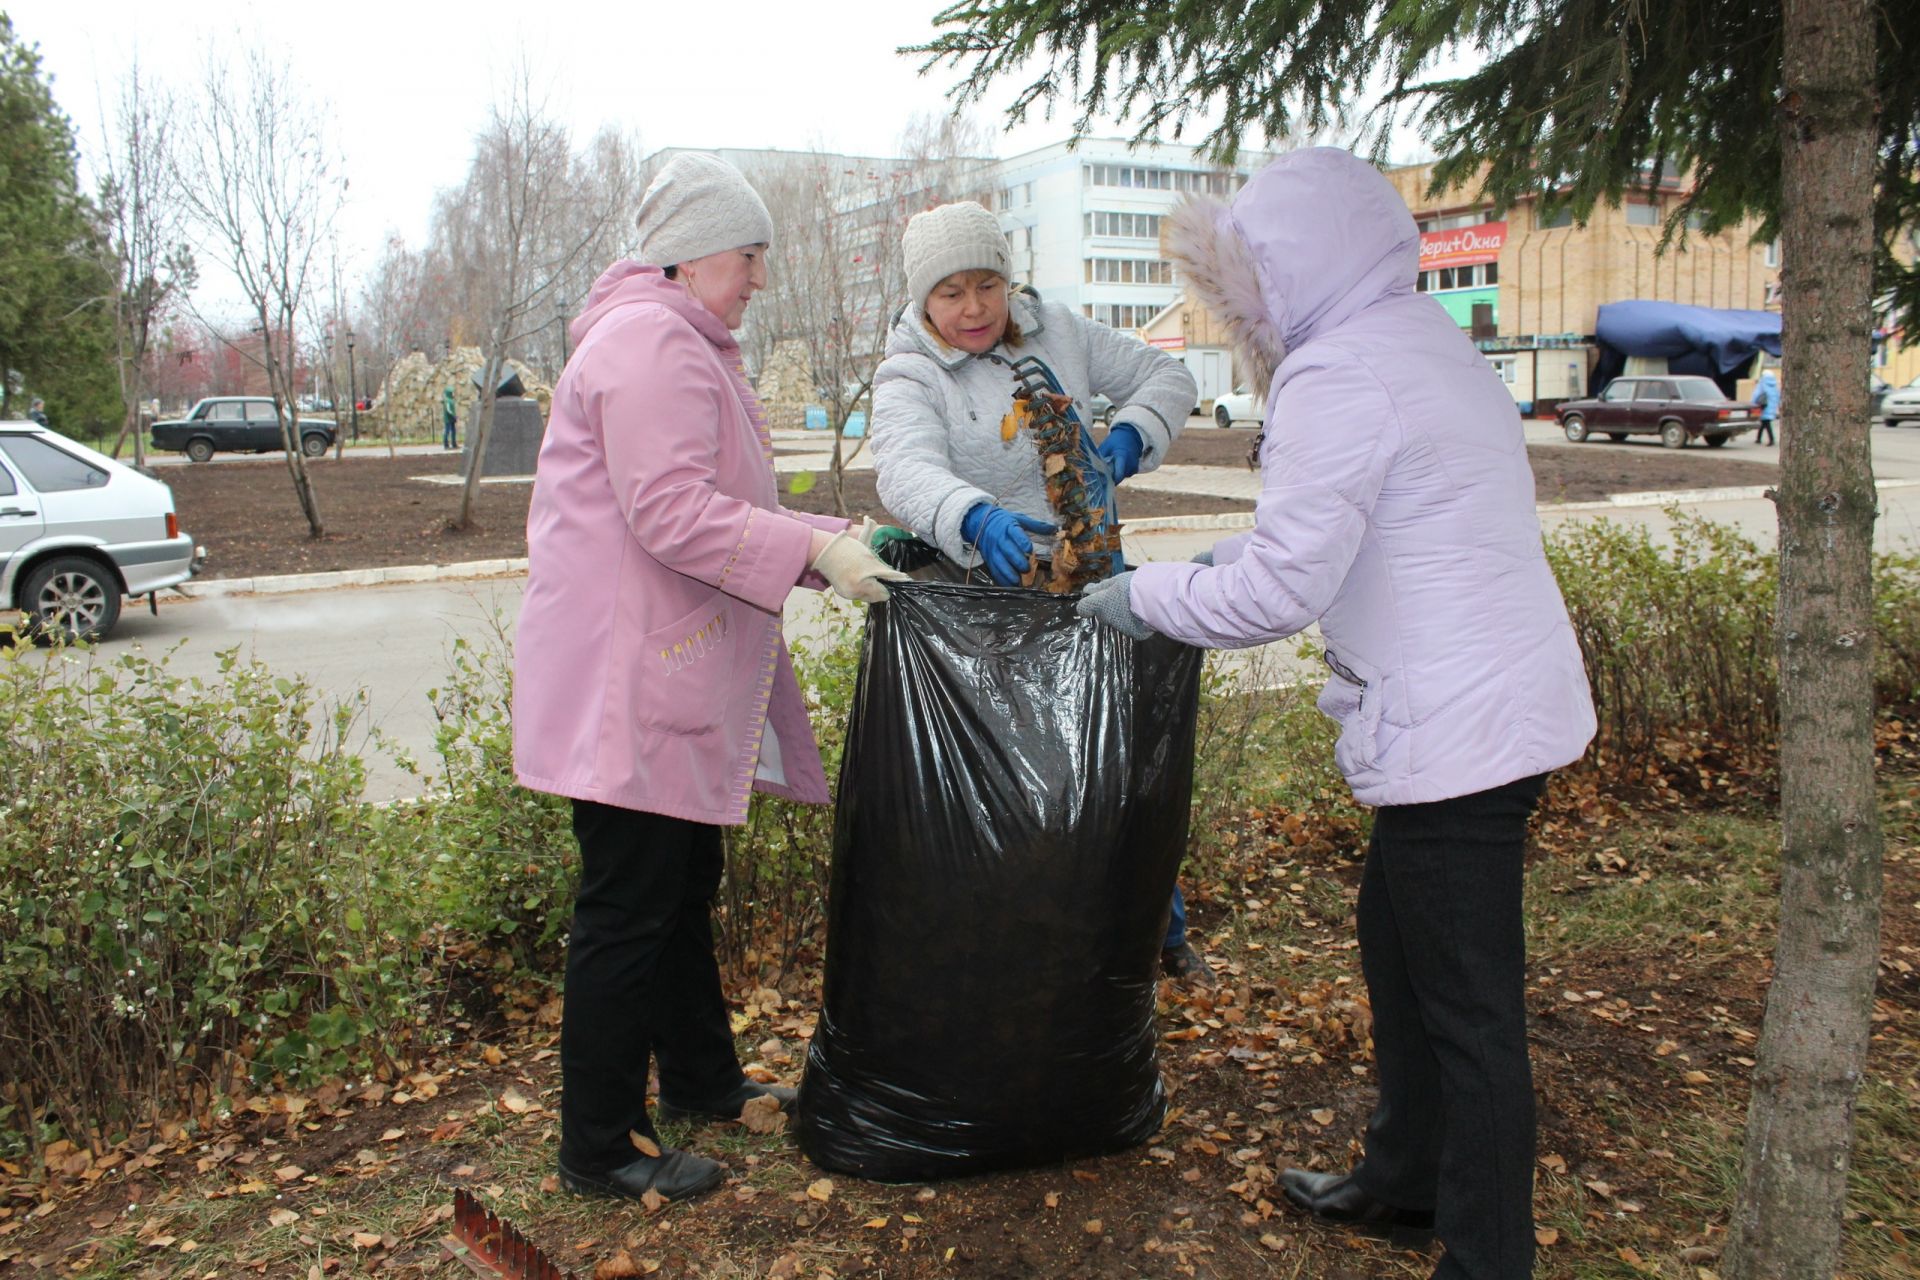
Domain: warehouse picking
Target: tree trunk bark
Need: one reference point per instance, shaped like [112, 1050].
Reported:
[281, 387]
[1812, 1053]
[482, 427]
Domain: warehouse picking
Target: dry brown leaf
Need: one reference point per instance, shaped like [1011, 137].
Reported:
[365, 1239]
[513, 1100]
[1546, 1237]
[1664, 1048]
[875, 1223]
[652, 1200]
[821, 1190]
[1323, 1117]
[393, 1135]
[288, 1172]
[1093, 1226]
[785, 1267]
[763, 1115]
[492, 1056]
[1273, 1242]
[1554, 1164]
[550, 1185]
[1697, 1077]
[1053, 1199]
[282, 1217]
[643, 1144]
[620, 1266]
[1600, 1188]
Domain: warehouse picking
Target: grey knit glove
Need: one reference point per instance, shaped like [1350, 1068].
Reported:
[1111, 602]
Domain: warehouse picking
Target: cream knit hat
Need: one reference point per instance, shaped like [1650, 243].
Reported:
[699, 204]
[953, 237]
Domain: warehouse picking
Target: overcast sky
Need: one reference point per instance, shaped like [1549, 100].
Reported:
[410, 83]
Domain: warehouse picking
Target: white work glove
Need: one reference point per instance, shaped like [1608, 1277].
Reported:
[853, 571]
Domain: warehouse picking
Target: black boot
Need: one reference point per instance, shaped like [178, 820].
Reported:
[674, 1174]
[727, 1107]
[1338, 1198]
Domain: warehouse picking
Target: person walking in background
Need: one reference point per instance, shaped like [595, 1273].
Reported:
[449, 420]
[652, 685]
[940, 464]
[37, 412]
[1397, 511]
[1766, 395]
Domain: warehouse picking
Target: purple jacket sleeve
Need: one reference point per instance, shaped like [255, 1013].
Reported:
[659, 414]
[1332, 433]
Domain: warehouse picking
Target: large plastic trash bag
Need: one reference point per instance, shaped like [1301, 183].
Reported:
[1013, 807]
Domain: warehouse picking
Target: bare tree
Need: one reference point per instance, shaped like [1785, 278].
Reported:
[139, 198]
[263, 190]
[836, 280]
[527, 218]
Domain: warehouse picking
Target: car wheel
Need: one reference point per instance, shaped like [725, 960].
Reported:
[73, 595]
[1673, 435]
[1715, 442]
[1221, 417]
[1575, 426]
[200, 449]
[1617, 437]
[313, 446]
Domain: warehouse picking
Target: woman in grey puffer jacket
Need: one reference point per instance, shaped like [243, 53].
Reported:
[942, 468]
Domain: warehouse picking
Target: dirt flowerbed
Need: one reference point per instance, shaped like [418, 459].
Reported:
[380, 511]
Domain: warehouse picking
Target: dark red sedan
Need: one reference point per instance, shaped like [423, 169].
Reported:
[1676, 407]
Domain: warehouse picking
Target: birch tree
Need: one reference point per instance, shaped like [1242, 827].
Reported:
[140, 199]
[528, 217]
[261, 183]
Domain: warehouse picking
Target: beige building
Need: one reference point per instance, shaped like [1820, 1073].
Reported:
[1529, 289]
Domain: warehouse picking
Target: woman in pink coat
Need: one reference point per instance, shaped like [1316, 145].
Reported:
[1396, 510]
[651, 682]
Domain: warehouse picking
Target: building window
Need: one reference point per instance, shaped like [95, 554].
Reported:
[1140, 177]
[1561, 217]
[1136, 226]
[1506, 366]
[1773, 253]
[1642, 215]
[1489, 273]
[1129, 271]
[1123, 315]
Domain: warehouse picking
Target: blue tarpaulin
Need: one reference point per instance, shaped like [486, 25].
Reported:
[1728, 339]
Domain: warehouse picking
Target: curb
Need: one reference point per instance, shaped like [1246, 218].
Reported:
[1219, 521]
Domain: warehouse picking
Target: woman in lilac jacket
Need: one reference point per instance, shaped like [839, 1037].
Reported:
[651, 682]
[1397, 511]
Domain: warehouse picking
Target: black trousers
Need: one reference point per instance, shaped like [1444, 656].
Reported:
[642, 981]
[1444, 952]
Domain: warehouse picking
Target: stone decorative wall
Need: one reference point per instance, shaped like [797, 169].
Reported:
[786, 386]
[408, 402]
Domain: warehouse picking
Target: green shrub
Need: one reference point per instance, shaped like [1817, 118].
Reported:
[1896, 619]
[1678, 635]
[189, 893]
[498, 863]
[772, 902]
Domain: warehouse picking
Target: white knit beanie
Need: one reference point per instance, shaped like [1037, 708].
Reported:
[953, 237]
[699, 204]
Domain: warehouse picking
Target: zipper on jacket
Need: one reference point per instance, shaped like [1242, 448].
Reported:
[1340, 669]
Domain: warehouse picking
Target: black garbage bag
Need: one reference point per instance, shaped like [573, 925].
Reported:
[1012, 812]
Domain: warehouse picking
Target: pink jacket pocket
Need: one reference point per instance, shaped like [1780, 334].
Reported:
[686, 670]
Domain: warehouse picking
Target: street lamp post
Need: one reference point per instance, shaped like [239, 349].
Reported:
[353, 389]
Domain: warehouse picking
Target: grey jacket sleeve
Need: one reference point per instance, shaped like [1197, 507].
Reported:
[913, 469]
[1152, 390]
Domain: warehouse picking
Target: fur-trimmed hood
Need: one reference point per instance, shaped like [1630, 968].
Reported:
[1311, 241]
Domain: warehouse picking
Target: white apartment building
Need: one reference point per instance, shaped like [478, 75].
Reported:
[1084, 221]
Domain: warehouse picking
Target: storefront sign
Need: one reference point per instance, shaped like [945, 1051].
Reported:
[1461, 246]
[1168, 344]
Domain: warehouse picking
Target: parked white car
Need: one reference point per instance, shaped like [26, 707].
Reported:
[1901, 405]
[78, 531]
[1238, 406]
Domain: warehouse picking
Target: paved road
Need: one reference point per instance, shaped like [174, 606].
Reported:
[394, 640]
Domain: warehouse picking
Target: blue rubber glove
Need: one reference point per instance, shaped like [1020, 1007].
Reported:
[1122, 449]
[1111, 602]
[1000, 536]
[1204, 557]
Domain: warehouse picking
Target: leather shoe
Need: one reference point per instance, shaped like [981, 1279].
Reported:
[1185, 965]
[673, 1173]
[1336, 1197]
[727, 1107]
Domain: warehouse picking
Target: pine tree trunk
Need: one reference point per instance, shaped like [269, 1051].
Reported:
[1787, 1220]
